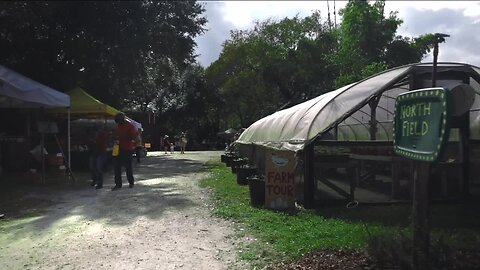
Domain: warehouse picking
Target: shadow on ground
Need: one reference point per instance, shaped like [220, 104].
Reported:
[161, 185]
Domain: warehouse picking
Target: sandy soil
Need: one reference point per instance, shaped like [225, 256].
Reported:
[164, 222]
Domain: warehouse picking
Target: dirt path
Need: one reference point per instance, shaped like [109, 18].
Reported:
[164, 222]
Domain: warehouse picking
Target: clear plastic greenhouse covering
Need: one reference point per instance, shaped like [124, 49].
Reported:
[345, 114]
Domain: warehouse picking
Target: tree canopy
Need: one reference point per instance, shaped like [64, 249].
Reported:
[139, 55]
[280, 63]
[123, 52]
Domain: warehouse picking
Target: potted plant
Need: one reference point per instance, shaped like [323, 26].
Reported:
[244, 171]
[228, 159]
[256, 186]
[238, 162]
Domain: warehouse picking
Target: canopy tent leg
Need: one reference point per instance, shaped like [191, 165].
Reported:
[69, 139]
[42, 155]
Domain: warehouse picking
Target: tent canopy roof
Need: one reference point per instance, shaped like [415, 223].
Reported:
[85, 106]
[110, 123]
[18, 91]
[294, 127]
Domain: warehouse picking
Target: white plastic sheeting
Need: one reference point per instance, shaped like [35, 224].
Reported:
[108, 123]
[289, 128]
[18, 91]
[136, 124]
[347, 108]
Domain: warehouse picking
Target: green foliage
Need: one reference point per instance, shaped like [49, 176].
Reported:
[278, 64]
[372, 69]
[369, 44]
[280, 234]
[124, 53]
[390, 250]
[193, 107]
[382, 230]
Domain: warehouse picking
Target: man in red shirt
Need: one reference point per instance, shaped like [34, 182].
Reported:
[125, 135]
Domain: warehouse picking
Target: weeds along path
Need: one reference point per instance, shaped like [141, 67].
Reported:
[164, 222]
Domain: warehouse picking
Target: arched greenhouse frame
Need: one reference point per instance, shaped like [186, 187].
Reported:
[344, 141]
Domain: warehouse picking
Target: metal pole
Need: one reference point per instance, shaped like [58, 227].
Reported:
[69, 140]
[435, 57]
[437, 38]
[42, 156]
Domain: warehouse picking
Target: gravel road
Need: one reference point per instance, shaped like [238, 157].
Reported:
[164, 222]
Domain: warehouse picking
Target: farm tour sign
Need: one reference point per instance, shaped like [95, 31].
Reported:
[421, 123]
[279, 180]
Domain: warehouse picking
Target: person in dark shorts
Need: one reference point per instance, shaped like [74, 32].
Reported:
[98, 157]
[166, 143]
[125, 134]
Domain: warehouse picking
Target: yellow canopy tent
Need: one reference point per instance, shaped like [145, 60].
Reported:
[83, 105]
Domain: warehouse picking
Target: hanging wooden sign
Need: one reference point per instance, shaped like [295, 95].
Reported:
[421, 124]
[279, 180]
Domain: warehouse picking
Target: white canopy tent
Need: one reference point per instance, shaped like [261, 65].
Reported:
[136, 124]
[348, 111]
[109, 123]
[18, 91]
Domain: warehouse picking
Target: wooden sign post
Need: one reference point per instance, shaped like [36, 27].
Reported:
[279, 180]
[421, 130]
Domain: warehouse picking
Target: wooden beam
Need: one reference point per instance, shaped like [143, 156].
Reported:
[337, 189]
[309, 176]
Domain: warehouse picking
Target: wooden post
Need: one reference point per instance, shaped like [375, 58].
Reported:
[396, 172]
[421, 216]
[465, 155]
[309, 177]
[352, 175]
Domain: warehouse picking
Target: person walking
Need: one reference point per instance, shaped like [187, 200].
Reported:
[125, 134]
[183, 143]
[99, 156]
[172, 147]
[166, 143]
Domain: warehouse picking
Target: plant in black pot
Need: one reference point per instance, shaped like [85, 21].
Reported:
[256, 186]
[237, 163]
[244, 171]
[229, 159]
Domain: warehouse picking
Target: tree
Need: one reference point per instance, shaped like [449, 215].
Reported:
[273, 64]
[369, 44]
[111, 48]
[195, 108]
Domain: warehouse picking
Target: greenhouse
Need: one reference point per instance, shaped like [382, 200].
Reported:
[350, 130]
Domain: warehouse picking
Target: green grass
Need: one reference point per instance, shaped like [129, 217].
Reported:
[288, 235]
[283, 236]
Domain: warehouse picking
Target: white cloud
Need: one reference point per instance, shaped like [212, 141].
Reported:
[243, 13]
[460, 19]
[469, 8]
[209, 45]
[461, 46]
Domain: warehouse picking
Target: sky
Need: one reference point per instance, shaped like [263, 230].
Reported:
[459, 19]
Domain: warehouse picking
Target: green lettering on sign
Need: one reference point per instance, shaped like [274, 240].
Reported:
[421, 123]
